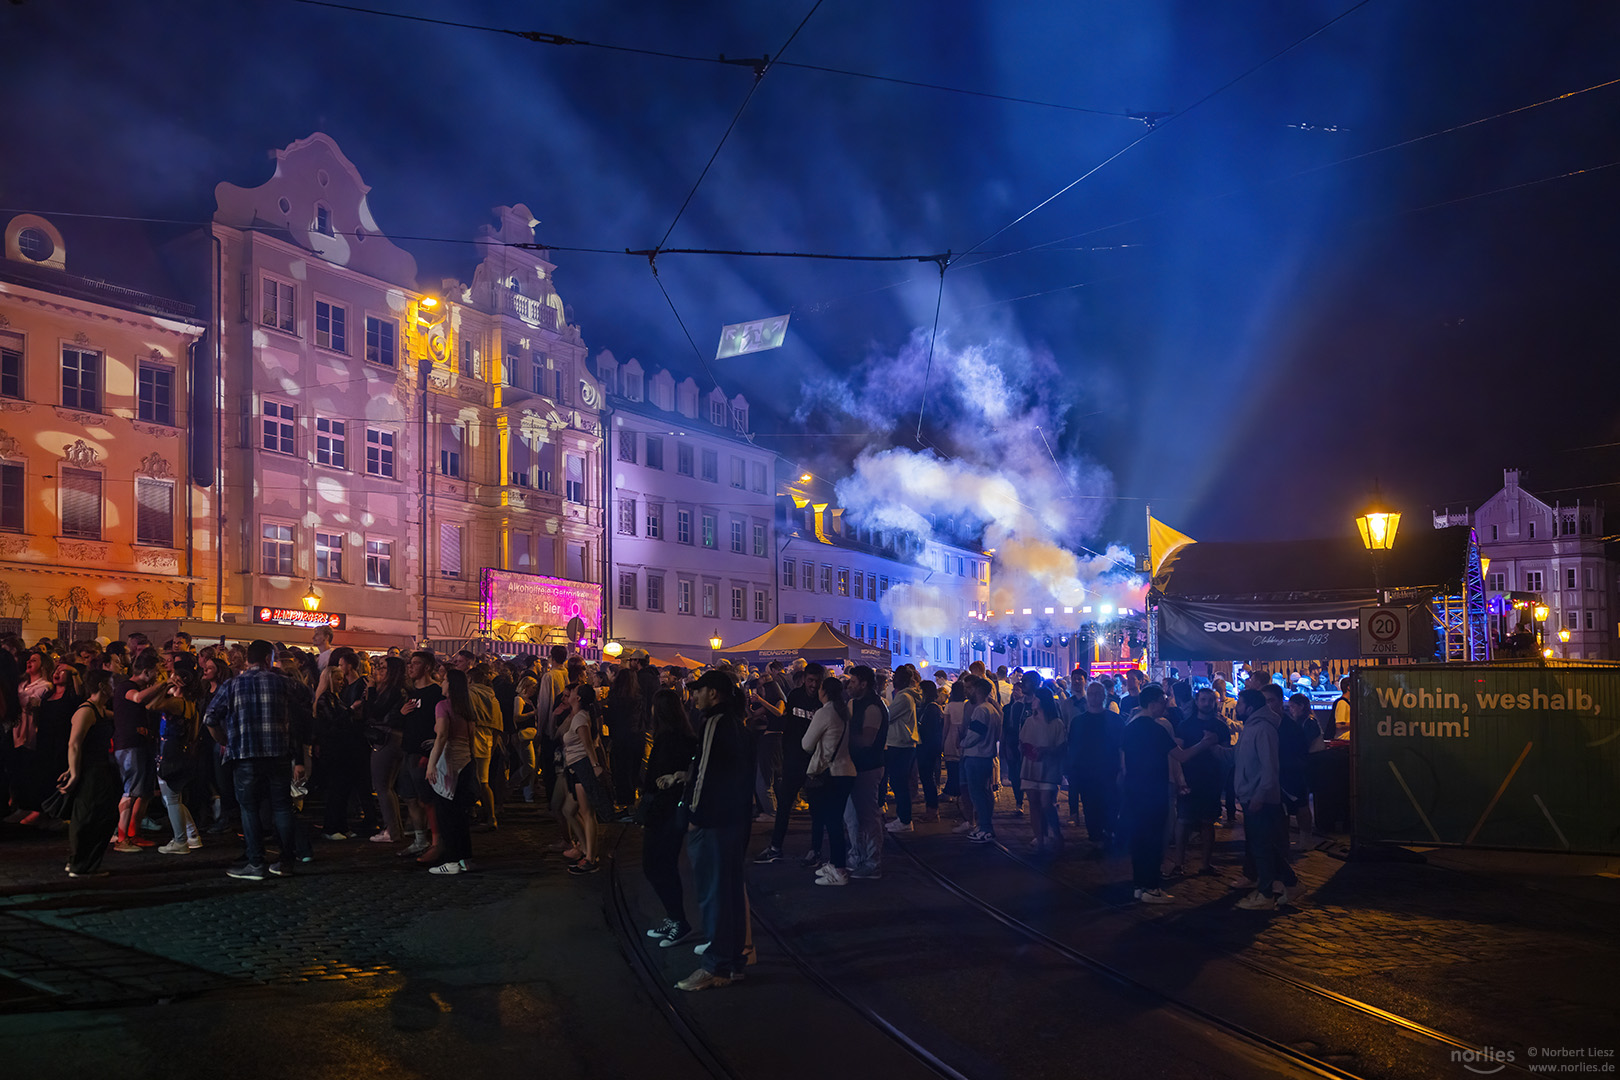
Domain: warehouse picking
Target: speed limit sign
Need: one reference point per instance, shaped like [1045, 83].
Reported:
[1386, 631]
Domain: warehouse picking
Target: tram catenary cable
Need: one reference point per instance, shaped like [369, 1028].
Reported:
[1161, 122]
[542, 38]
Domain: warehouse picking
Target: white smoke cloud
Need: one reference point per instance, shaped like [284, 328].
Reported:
[1000, 407]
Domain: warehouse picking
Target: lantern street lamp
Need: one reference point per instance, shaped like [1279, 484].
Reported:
[714, 646]
[1377, 527]
[1563, 644]
[1541, 612]
[312, 600]
[612, 650]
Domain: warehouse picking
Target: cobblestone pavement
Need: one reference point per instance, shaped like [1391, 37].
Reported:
[1495, 946]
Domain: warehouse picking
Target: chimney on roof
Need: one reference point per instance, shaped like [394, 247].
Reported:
[1510, 479]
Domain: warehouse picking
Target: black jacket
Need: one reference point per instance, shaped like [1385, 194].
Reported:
[720, 781]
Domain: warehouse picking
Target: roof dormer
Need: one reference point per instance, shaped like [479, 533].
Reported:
[33, 240]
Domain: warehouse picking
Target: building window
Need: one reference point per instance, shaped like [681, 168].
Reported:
[711, 599]
[11, 364]
[1498, 583]
[277, 309]
[655, 521]
[1569, 578]
[331, 326]
[757, 477]
[323, 220]
[627, 516]
[717, 412]
[759, 605]
[575, 568]
[759, 539]
[708, 530]
[655, 452]
[871, 587]
[154, 394]
[860, 585]
[450, 441]
[738, 600]
[519, 553]
[1589, 577]
[1532, 530]
[883, 637]
[655, 592]
[627, 446]
[627, 589]
[469, 359]
[81, 503]
[380, 563]
[683, 597]
[739, 472]
[329, 556]
[711, 466]
[807, 578]
[843, 581]
[81, 379]
[1591, 620]
[860, 631]
[1493, 532]
[632, 385]
[683, 526]
[790, 619]
[449, 550]
[683, 459]
[154, 512]
[826, 578]
[35, 245]
[1569, 526]
[883, 587]
[1572, 619]
[382, 341]
[276, 550]
[331, 442]
[787, 574]
[379, 452]
[736, 538]
[1532, 581]
[278, 427]
[575, 471]
[13, 475]
[510, 355]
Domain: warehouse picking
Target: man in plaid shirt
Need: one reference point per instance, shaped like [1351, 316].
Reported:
[262, 718]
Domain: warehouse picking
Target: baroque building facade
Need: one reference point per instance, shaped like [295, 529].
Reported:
[99, 517]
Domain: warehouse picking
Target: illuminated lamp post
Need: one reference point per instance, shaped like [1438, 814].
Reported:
[312, 600]
[1541, 613]
[612, 650]
[1377, 527]
[714, 646]
[1563, 644]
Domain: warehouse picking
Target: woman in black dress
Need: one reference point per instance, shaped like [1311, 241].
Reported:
[54, 719]
[91, 779]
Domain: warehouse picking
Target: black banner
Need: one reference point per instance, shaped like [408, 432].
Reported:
[1259, 631]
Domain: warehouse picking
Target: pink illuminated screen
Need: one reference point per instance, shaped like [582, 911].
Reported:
[508, 596]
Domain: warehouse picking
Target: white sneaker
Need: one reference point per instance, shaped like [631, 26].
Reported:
[965, 827]
[834, 876]
[418, 846]
[193, 842]
[1154, 896]
[176, 847]
[384, 837]
[1256, 902]
[898, 826]
[699, 950]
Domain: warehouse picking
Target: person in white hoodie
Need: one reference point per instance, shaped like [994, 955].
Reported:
[829, 780]
[1258, 784]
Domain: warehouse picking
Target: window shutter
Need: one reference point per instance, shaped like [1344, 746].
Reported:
[154, 512]
[449, 549]
[576, 469]
[81, 504]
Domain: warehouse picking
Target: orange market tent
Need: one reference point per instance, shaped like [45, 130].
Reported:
[817, 641]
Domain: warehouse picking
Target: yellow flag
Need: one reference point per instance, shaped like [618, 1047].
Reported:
[1163, 542]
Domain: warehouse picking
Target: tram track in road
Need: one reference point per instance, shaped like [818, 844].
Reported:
[705, 1050]
[1232, 1028]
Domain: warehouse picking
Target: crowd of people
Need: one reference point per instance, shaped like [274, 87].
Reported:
[418, 752]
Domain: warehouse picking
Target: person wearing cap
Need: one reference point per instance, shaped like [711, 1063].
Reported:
[718, 798]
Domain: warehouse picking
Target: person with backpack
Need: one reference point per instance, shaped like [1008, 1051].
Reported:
[868, 738]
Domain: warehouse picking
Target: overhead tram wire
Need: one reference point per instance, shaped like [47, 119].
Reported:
[542, 38]
[990, 257]
[1158, 123]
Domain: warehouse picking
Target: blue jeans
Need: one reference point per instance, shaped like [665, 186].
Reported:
[256, 779]
[976, 778]
[718, 857]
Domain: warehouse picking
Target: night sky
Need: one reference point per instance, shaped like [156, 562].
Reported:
[1245, 347]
